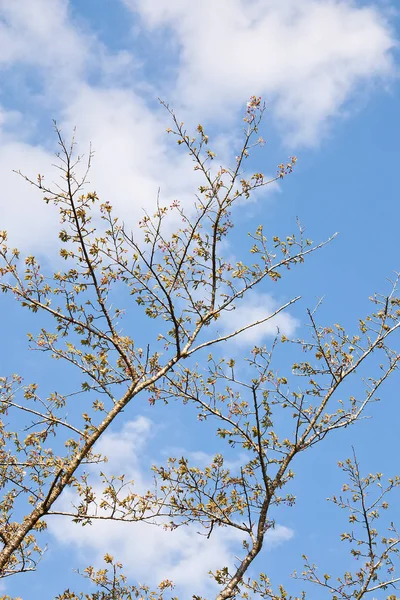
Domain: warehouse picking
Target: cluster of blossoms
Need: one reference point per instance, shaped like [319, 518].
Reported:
[253, 105]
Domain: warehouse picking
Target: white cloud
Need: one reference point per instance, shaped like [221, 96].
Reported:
[134, 157]
[133, 153]
[255, 307]
[307, 58]
[29, 222]
[39, 46]
[128, 442]
[149, 553]
[39, 33]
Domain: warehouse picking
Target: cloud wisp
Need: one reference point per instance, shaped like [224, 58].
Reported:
[256, 308]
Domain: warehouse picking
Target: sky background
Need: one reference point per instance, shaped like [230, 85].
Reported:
[328, 71]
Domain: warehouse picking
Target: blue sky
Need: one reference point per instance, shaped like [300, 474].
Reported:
[328, 71]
